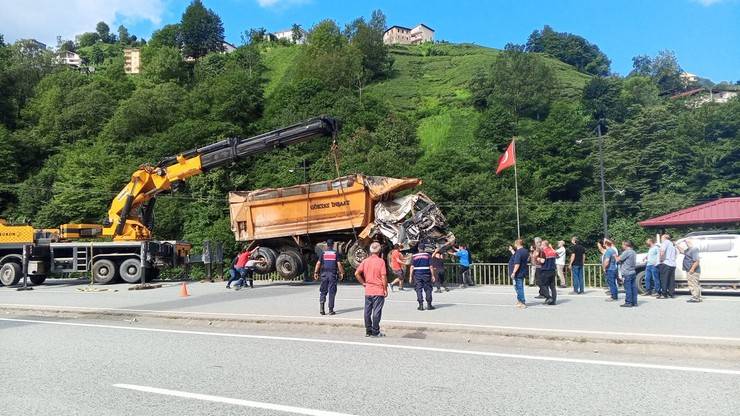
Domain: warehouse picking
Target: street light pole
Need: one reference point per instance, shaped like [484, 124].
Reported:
[601, 171]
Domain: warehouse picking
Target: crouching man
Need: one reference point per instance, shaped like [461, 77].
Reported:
[371, 273]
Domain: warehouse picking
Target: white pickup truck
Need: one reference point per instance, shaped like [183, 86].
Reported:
[719, 254]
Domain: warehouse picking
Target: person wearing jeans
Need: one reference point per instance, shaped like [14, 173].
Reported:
[577, 255]
[518, 271]
[609, 263]
[371, 274]
[626, 262]
[652, 276]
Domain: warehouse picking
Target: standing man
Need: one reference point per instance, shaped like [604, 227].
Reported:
[560, 262]
[578, 252]
[609, 263]
[667, 267]
[652, 277]
[371, 274]
[438, 263]
[518, 271]
[627, 268]
[548, 284]
[397, 263]
[331, 271]
[422, 275]
[463, 255]
[238, 269]
[693, 271]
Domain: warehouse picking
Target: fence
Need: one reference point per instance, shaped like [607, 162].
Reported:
[483, 274]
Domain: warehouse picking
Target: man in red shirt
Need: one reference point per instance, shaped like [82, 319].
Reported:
[371, 273]
[397, 263]
[239, 269]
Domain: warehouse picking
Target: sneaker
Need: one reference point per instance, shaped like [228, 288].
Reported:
[378, 335]
[228, 287]
[550, 302]
[368, 334]
[332, 313]
[648, 293]
[420, 308]
[625, 305]
[610, 300]
[431, 308]
[694, 300]
[447, 289]
[539, 297]
[521, 305]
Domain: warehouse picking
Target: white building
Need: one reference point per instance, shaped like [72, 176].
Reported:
[406, 36]
[69, 58]
[227, 47]
[132, 60]
[287, 34]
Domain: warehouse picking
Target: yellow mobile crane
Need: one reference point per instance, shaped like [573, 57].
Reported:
[132, 254]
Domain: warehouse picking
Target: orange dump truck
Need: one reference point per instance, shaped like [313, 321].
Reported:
[291, 225]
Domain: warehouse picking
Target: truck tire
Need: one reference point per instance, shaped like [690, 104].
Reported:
[356, 254]
[38, 279]
[130, 270]
[269, 256]
[289, 264]
[640, 282]
[10, 274]
[104, 271]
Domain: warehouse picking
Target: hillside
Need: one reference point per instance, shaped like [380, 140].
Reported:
[431, 88]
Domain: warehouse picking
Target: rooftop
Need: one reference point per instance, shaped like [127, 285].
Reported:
[720, 211]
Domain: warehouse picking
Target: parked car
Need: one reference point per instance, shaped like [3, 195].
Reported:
[719, 256]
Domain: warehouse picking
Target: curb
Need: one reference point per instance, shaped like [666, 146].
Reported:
[440, 332]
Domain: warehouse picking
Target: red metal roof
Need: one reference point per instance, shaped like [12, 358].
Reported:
[720, 211]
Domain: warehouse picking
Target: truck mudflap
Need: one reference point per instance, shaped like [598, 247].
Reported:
[411, 219]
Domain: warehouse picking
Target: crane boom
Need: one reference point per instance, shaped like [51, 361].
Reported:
[130, 212]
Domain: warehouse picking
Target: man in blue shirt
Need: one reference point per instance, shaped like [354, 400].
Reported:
[422, 276]
[330, 269]
[652, 278]
[667, 268]
[609, 263]
[518, 271]
[463, 256]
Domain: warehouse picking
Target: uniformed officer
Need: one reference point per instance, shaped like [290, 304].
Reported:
[422, 275]
[330, 270]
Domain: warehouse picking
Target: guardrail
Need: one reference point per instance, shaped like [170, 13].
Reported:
[483, 274]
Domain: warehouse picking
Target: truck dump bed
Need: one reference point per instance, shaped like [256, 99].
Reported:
[321, 207]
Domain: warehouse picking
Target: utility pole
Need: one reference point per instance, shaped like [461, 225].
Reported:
[601, 171]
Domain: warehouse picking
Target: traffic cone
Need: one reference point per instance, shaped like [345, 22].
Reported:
[184, 290]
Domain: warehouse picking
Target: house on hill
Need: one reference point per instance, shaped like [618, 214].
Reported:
[69, 58]
[287, 34]
[405, 36]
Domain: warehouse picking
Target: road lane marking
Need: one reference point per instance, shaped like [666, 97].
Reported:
[228, 400]
[390, 346]
[437, 300]
[312, 318]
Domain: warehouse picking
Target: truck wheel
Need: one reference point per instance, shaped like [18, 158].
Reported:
[37, 280]
[130, 270]
[269, 256]
[640, 282]
[289, 264]
[356, 254]
[104, 271]
[10, 274]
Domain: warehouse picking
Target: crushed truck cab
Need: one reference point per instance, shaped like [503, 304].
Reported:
[292, 224]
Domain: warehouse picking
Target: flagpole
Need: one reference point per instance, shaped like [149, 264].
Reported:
[516, 192]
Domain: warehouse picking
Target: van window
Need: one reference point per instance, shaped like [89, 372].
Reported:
[714, 245]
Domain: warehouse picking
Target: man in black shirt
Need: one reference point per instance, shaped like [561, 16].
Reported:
[578, 252]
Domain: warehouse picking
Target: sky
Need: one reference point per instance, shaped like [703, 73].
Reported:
[704, 34]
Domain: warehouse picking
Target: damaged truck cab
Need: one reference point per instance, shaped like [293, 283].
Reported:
[292, 224]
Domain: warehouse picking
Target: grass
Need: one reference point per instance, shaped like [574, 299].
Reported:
[279, 62]
[450, 127]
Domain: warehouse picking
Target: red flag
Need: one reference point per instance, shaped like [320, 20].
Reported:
[508, 159]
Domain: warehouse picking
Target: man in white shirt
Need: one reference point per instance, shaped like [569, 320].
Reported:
[560, 262]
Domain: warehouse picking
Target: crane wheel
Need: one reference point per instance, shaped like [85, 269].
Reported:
[104, 271]
[130, 270]
[10, 274]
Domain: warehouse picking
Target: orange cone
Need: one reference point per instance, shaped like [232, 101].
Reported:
[184, 290]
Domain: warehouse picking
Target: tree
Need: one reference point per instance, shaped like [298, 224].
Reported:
[96, 55]
[601, 97]
[163, 64]
[123, 37]
[296, 33]
[329, 58]
[67, 46]
[571, 49]
[103, 31]
[202, 30]
[367, 38]
[663, 69]
[168, 36]
[87, 39]
[257, 35]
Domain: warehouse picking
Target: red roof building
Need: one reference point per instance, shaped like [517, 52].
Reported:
[720, 211]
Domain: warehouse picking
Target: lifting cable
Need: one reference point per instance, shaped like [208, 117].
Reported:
[335, 153]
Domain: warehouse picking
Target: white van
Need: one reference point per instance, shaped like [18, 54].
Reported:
[719, 256]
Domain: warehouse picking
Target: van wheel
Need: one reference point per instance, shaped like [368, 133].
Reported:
[356, 254]
[289, 264]
[640, 282]
[10, 274]
[130, 270]
[104, 271]
[269, 256]
[37, 280]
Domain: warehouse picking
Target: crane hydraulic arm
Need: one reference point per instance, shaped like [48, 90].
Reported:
[131, 212]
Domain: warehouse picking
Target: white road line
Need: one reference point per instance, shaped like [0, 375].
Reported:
[392, 346]
[441, 302]
[313, 318]
[228, 400]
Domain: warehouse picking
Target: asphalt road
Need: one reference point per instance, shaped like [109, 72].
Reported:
[479, 307]
[77, 367]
